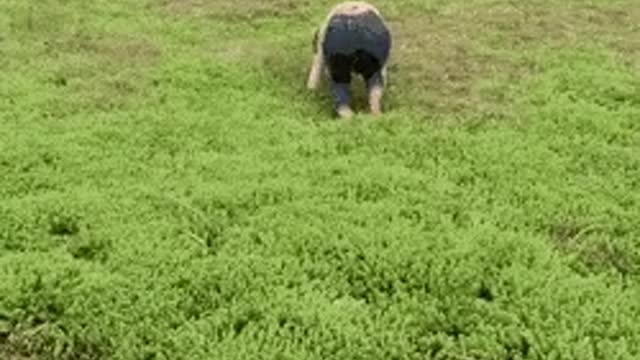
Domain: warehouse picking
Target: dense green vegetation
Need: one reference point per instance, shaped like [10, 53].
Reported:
[170, 190]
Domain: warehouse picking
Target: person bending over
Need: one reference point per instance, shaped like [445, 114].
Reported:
[353, 39]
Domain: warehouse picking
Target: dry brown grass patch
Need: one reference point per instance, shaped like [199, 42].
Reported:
[102, 71]
[447, 53]
[234, 10]
[109, 49]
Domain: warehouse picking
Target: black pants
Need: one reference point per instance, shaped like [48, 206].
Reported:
[355, 44]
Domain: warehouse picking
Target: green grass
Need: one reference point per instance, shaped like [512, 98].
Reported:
[170, 190]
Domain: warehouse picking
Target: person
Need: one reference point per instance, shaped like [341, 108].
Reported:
[353, 39]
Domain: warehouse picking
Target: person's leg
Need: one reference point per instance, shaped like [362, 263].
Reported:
[340, 74]
[342, 96]
[373, 74]
[375, 91]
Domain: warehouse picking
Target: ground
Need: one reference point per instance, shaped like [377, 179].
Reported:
[170, 190]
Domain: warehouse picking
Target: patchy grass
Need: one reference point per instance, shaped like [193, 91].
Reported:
[470, 57]
[168, 189]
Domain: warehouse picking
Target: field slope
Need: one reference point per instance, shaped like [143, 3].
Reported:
[170, 190]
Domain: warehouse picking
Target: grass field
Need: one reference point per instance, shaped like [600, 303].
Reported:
[170, 190]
